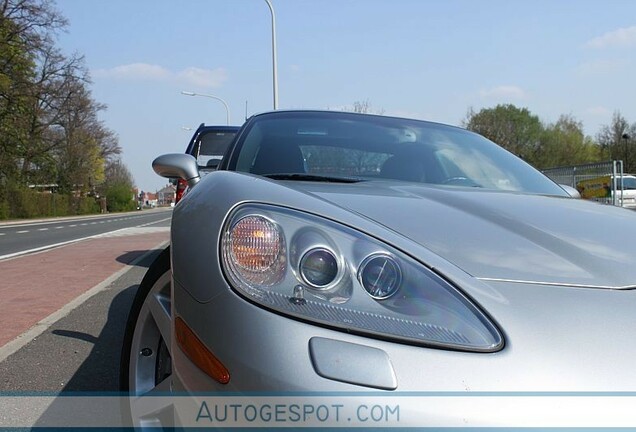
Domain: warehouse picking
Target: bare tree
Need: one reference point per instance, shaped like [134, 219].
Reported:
[364, 107]
[117, 172]
[617, 139]
[49, 120]
[27, 33]
[83, 145]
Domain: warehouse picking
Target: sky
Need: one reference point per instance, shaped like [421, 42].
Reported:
[424, 59]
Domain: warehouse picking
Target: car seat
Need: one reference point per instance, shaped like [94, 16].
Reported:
[278, 157]
[405, 167]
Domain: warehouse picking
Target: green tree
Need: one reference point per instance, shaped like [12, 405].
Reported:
[515, 129]
[118, 187]
[564, 143]
[49, 127]
[119, 198]
[17, 69]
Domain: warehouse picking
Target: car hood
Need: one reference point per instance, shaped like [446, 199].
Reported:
[495, 235]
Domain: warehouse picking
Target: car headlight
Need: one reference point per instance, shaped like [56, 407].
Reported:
[314, 269]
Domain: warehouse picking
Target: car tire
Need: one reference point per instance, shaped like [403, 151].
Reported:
[145, 364]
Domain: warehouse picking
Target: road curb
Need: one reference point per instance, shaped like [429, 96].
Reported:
[39, 328]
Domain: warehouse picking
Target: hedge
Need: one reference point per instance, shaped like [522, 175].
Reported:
[21, 203]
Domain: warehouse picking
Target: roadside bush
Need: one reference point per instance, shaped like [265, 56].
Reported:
[4, 210]
[4, 205]
[87, 205]
[21, 203]
[119, 198]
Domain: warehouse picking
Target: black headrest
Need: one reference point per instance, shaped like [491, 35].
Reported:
[278, 157]
[404, 167]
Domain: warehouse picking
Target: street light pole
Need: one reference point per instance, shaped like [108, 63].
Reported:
[626, 149]
[274, 61]
[227, 109]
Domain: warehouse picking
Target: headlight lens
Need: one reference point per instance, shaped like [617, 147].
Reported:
[257, 250]
[318, 268]
[314, 269]
[380, 276]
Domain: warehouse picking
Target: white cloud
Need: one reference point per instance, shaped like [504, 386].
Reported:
[203, 77]
[623, 37]
[143, 71]
[503, 92]
[134, 71]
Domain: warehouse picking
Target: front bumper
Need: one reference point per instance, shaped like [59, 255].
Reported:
[559, 343]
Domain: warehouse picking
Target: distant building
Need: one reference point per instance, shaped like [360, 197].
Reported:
[148, 199]
[46, 188]
[166, 195]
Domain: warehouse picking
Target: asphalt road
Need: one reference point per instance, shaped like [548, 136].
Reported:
[16, 238]
[79, 352]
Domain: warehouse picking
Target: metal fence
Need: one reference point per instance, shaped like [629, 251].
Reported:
[593, 181]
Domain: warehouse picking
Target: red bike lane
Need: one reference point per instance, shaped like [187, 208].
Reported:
[34, 286]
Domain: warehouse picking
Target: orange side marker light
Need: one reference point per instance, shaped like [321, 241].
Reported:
[197, 352]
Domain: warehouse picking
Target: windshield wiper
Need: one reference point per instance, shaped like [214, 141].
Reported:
[313, 177]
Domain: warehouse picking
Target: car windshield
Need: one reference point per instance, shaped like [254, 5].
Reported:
[629, 182]
[212, 146]
[368, 147]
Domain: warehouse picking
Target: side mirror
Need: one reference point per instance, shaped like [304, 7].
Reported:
[179, 165]
[571, 191]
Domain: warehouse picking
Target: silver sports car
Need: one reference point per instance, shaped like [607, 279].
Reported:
[342, 253]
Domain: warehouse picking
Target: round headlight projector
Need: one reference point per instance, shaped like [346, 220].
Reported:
[318, 268]
[380, 276]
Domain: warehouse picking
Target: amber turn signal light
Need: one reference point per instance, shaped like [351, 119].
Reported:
[197, 352]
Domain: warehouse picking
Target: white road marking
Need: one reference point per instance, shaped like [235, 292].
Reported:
[124, 232]
[60, 227]
[43, 229]
[141, 229]
[65, 219]
[72, 226]
[22, 232]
